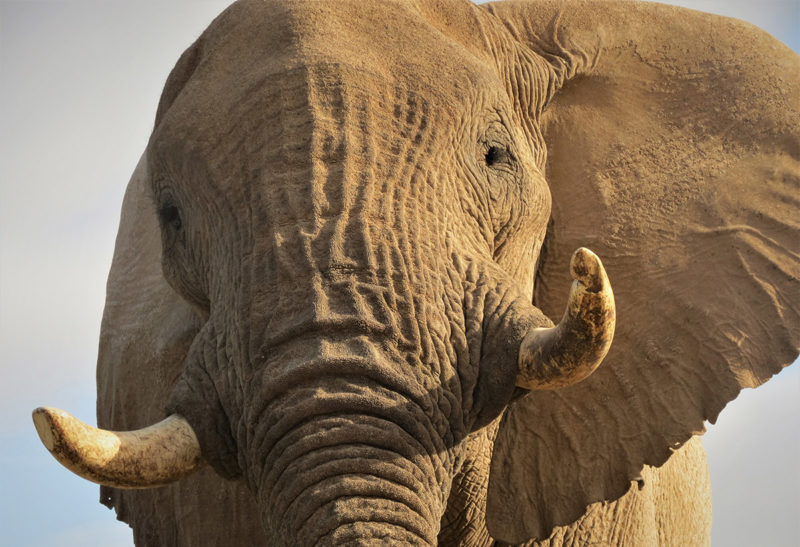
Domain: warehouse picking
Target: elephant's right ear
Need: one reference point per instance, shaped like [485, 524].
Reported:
[674, 153]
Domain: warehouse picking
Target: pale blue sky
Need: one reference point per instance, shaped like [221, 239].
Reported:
[79, 84]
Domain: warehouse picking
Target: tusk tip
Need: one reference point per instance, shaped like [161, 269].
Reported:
[45, 421]
[585, 266]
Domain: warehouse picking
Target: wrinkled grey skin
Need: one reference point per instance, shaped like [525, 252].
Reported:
[344, 322]
[340, 311]
[349, 223]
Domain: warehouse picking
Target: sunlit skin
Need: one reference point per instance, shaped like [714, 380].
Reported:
[344, 251]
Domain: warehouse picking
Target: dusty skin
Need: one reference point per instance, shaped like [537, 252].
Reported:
[343, 252]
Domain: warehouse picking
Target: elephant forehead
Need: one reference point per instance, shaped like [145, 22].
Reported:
[272, 75]
[385, 33]
[255, 47]
[306, 116]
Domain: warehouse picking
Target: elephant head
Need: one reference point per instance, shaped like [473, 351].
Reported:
[338, 255]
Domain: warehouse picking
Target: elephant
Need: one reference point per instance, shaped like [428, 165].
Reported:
[343, 262]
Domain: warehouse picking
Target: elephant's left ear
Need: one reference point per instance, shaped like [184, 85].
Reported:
[674, 153]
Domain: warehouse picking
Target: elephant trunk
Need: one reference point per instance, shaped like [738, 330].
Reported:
[344, 478]
[344, 448]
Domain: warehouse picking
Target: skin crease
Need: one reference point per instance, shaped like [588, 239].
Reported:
[354, 205]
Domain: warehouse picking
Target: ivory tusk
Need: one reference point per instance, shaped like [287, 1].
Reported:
[557, 357]
[145, 458]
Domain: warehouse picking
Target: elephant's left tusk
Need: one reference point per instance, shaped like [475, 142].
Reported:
[153, 456]
[552, 358]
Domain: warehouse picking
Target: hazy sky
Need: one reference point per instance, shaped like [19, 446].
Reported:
[79, 83]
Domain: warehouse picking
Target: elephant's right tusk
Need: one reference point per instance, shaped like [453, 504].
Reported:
[552, 358]
[145, 458]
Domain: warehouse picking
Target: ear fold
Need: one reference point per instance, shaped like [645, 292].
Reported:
[674, 154]
[146, 333]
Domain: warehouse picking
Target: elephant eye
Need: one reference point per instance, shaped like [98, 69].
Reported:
[496, 156]
[170, 216]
